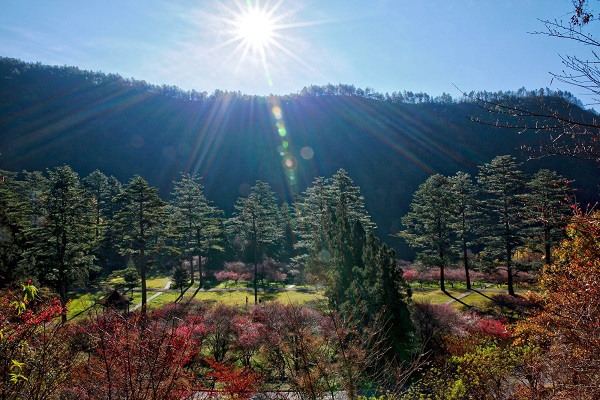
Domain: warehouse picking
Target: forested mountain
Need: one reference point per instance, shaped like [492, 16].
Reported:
[389, 144]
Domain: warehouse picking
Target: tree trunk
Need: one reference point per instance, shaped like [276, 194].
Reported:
[547, 246]
[63, 301]
[255, 281]
[191, 269]
[511, 289]
[466, 263]
[143, 278]
[442, 262]
[200, 278]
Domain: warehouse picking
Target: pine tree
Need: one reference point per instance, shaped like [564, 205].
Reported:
[181, 278]
[430, 223]
[466, 209]
[131, 275]
[13, 231]
[96, 184]
[346, 196]
[196, 222]
[102, 190]
[286, 251]
[547, 209]
[320, 214]
[313, 216]
[64, 243]
[31, 190]
[256, 221]
[139, 224]
[503, 182]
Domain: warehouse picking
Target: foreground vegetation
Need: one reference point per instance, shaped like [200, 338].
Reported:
[539, 345]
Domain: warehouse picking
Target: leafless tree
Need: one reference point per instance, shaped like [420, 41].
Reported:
[569, 130]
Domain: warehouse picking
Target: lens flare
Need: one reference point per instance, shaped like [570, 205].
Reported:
[307, 153]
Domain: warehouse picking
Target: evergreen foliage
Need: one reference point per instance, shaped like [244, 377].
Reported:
[131, 275]
[139, 224]
[548, 204]
[503, 182]
[181, 278]
[196, 223]
[64, 243]
[467, 213]
[256, 221]
[14, 238]
[430, 223]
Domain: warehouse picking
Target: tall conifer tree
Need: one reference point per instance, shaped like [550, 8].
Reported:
[13, 231]
[547, 209]
[503, 182]
[467, 213]
[196, 222]
[64, 243]
[430, 223]
[256, 221]
[139, 224]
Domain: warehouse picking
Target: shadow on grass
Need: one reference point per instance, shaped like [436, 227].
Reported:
[456, 299]
[481, 294]
[267, 296]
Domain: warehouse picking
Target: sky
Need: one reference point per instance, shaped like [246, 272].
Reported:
[433, 46]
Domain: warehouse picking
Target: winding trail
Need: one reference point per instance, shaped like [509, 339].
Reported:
[155, 295]
[459, 297]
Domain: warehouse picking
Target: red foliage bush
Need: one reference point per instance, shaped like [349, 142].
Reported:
[135, 358]
[237, 383]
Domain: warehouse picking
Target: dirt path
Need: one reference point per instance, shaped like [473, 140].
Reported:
[155, 295]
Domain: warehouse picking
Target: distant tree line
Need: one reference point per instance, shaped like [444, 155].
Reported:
[11, 68]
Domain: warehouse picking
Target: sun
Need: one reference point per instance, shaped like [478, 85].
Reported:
[261, 34]
[256, 28]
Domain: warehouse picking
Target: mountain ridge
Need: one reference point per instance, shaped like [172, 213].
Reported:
[51, 116]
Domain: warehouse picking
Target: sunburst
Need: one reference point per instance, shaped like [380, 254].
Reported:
[255, 28]
[260, 32]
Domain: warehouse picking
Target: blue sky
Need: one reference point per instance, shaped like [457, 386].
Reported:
[388, 45]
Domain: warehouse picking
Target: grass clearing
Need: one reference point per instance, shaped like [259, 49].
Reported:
[434, 296]
[480, 299]
[80, 302]
[157, 282]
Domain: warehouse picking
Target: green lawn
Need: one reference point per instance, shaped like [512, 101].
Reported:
[479, 299]
[157, 282]
[243, 297]
[241, 294]
[80, 302]
[434, 296]
[236, 297]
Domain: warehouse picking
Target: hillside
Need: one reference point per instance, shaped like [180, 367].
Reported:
[51, 116]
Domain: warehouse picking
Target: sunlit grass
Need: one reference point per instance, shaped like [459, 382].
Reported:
[115, 281]
[435, 296]
[79, 303]
[162, 300]
[238, 298]
[477, 299]
[157, 282]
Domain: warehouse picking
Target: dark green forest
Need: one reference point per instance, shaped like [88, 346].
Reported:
[388, 143]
